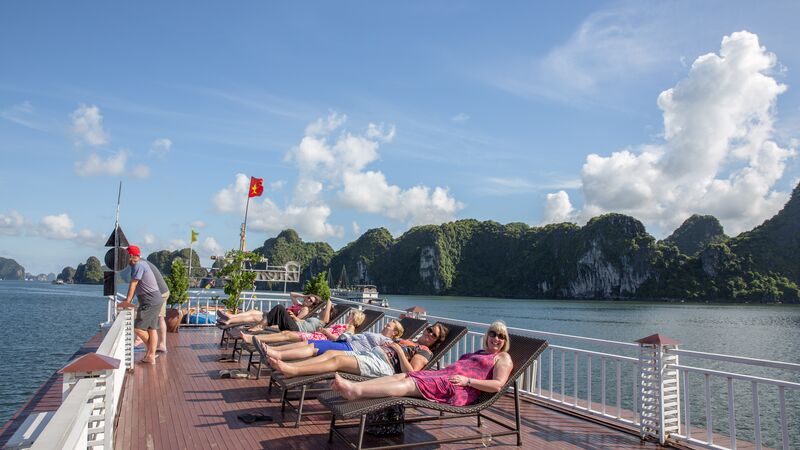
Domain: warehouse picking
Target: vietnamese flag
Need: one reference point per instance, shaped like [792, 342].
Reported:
[256, 187]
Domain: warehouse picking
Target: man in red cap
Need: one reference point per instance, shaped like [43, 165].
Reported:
[145, 287]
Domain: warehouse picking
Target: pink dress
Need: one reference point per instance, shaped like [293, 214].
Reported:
[436, 386]
[335, 329]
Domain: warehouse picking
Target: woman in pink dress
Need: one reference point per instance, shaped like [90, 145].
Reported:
[458, 384]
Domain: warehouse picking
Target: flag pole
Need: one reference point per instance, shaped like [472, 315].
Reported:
[191, 242]
[243, 234]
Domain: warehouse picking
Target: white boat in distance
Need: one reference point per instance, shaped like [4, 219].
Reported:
[362, 293]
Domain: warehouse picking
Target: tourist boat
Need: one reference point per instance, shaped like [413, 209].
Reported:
[632, 395]
[362, 293]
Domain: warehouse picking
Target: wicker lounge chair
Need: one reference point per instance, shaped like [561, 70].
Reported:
[303, 383]
[371, 317]
[524, 350]
[234, 333]
[227, 329]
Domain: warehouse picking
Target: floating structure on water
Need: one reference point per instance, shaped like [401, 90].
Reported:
[361, 293]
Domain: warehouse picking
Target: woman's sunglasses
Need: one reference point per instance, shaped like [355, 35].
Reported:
[495, 334]
[430, 331]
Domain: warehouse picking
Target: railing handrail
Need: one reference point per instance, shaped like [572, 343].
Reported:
[737, 376]
[738, 359]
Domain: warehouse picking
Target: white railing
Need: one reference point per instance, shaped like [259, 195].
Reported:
[580, 378]
[759, 393]
[605, 384]
[87, 413]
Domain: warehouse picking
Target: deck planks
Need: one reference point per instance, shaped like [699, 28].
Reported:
[180, 403]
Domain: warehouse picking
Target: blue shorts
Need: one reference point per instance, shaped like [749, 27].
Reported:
[325, 345]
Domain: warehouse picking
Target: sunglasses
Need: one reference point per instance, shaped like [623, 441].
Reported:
[495, 334]
[430, 330]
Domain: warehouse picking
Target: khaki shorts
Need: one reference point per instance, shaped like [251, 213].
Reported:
[163, 312]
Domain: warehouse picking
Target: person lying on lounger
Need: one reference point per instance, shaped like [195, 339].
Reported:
[280, 316]
[458, 384]
[345, 342]
[332, 331]
[396, 357]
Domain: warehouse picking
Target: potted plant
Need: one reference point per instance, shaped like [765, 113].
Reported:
[178, 284]
[237, 278]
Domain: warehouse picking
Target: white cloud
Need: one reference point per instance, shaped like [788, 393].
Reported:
[323, 126]
[11, 223]
[718, 156]
[58, 227]
[22, 114]
[96, 165]
[265, 215]
[558, 208]
[199, 224]
[509, 185]
[161, 147]
[176, 244]
[613, 45]
[460, 118]
[380, 133]
[149, 239]
[210, 247]
[141, 171]
[90, 238]
[337, 167]
[277, 185]
[356, 229]
[87, 126]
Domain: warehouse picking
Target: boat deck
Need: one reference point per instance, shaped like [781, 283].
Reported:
[181, 403]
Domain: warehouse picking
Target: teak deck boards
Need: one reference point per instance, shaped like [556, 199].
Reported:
[182, 403]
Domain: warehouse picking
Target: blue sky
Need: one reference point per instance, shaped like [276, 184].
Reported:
[367, 114]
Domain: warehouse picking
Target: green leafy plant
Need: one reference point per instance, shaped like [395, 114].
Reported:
[319, 285]
[237, 277]
[178, 283]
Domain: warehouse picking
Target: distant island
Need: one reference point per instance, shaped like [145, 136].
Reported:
[611, 257]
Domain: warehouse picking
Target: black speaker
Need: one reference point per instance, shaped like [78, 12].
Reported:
[108, 283]
[122, 259]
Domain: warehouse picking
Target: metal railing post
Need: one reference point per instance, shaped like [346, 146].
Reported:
[659, 396]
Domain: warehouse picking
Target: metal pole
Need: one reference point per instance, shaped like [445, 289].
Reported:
[242, 244]
[190, 260]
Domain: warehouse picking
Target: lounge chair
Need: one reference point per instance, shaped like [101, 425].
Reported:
[226, 329]
[234, 333]
[524, 350]
[303, 383]
[370, 318]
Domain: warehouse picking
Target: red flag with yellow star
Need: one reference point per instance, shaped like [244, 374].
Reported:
[256, 187]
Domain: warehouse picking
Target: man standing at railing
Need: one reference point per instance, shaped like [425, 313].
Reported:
[145, 287]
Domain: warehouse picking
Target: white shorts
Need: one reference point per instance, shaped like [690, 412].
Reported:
[372, 363]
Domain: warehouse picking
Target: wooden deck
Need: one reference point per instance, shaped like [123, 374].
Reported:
[181, 403]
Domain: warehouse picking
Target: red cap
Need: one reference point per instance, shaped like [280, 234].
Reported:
[134, 251]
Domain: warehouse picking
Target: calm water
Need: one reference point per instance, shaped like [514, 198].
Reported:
[45, 324]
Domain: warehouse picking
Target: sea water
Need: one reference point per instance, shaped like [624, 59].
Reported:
[44, 324]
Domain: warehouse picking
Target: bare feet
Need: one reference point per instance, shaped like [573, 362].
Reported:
[161, 350]
[346, 388]
[255, 328]
[247, 337]
[148, 360]
[224, 315]
[286, 369]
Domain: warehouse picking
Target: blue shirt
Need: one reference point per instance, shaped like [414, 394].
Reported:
[147, 281]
